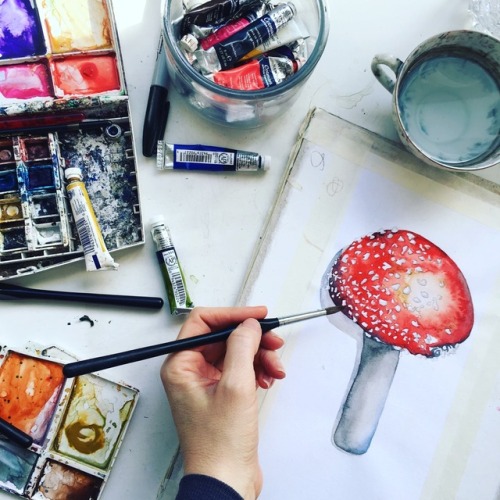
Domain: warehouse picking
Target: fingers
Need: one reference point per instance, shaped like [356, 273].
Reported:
[248, 360]
[206, 319]
[241, 348]
[247, 356]
[268, 367]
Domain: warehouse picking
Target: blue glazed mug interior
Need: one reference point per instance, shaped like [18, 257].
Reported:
[446, 100]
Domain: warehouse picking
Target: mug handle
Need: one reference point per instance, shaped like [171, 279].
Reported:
[381, 74]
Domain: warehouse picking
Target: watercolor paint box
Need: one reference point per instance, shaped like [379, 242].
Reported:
[63, 103]
[77, 426]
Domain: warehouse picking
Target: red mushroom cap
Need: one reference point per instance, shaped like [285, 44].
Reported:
[404, 291]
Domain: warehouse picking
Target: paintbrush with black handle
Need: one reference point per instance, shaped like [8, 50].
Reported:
[12, 292]
[122, 358]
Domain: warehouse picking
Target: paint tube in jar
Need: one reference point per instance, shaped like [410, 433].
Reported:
[233, 27]
[178, 297]
[190, 42]
[294, 30]
[97, 256]
[192, 4]
[226, 54]
[214, 13]
[265, 71]
[208, 158]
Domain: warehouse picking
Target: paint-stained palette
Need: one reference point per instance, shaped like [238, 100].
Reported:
[77, 426]
[55, 48]
[63, 103]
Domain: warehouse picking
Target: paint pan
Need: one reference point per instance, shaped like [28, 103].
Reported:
[21, 30]
[44, 206]
[36, 148]
[10, 210]
[85, 75]
[6, 152]
[25, 81]
[59, 480]
[41, 177]
[12, 239]
[8, 181]
[29, 393]
[61, 69]
[94, 421]
[77, 424]
[48, 234]
[79, 25]
[16, 467]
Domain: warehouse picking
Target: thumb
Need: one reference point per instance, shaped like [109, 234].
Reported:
[242, 346]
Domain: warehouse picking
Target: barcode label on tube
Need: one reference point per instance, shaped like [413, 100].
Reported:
[174, 273]
[208, 157]
[84, 232]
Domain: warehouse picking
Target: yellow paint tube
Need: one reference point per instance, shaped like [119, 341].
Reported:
[97, 257]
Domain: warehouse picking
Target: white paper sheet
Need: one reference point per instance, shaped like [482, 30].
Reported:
[439, 433]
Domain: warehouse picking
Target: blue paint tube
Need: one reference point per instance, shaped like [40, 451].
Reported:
[208, 158]
[226, 54]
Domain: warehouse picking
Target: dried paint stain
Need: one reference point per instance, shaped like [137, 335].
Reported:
[110, 182]
[85, 75]
[20, 30]
[96, 416]
[77, 25]
[59, 482]
[16, 466]
[29, 392]
[25, 81]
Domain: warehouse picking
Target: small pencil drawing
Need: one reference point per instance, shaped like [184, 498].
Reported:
[399, 292]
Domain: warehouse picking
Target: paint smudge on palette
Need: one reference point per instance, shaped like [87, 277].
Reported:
[85, 75]
[79, 57]
[77, 424]
[25, 81]
[62, 481]
[20, 29]
[110, 180]
[77, 25]
[94, 421]
[16, 467]
[29, 393]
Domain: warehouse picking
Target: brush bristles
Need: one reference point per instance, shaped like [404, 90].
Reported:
[332, 310]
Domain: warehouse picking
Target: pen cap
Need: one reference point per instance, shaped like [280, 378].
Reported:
[73, 173]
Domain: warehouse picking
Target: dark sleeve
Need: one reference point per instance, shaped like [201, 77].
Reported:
[196, 486]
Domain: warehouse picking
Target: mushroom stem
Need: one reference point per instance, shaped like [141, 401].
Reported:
[366, 398]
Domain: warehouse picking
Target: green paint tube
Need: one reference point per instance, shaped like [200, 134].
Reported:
[178, 297]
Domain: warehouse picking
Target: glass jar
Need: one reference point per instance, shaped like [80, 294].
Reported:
[486, 16]
[239, 108]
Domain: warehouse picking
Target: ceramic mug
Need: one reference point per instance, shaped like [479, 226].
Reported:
[446, 99]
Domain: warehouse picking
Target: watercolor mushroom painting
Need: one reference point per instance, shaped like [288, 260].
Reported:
[399, 291]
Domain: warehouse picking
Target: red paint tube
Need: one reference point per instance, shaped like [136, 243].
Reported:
[266, 71]
[233, 27]
[226, 54]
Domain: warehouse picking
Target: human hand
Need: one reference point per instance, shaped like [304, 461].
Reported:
[212, 391]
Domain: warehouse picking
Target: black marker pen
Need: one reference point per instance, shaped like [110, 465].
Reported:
[158, 106]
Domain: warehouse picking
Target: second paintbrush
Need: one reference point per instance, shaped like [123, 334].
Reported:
[103, 362]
